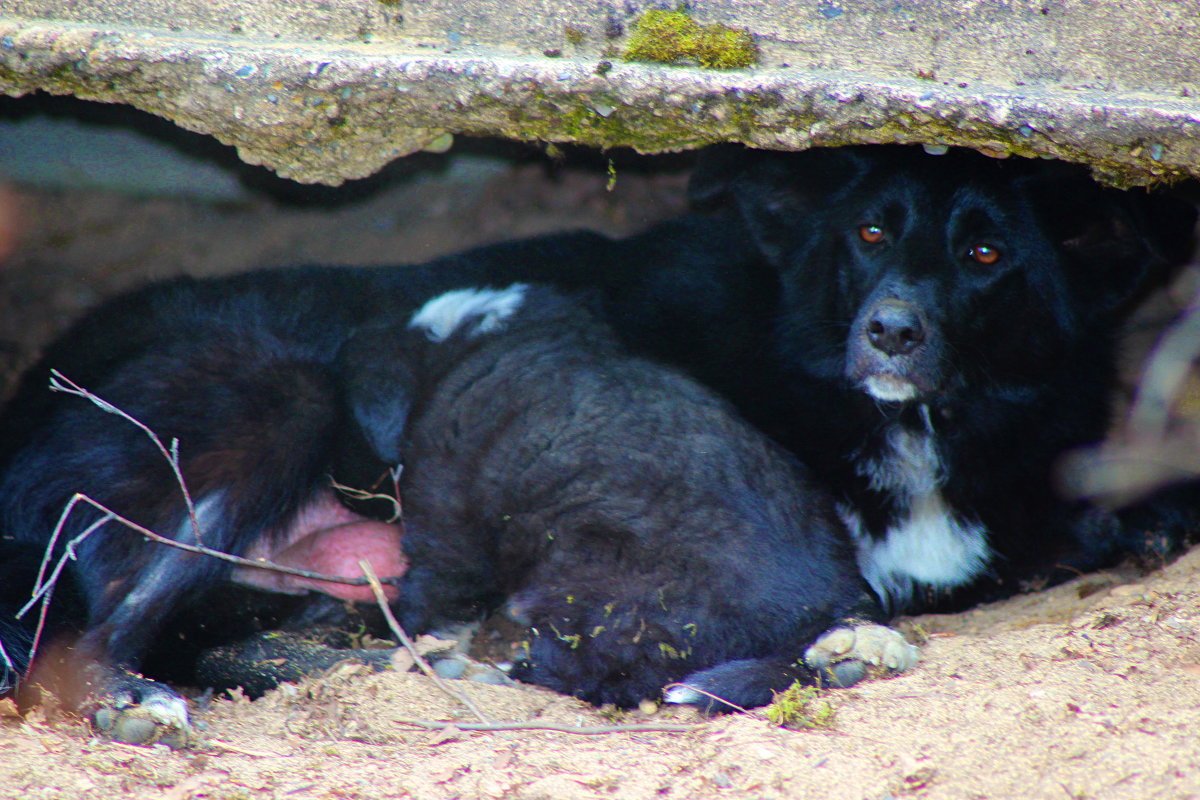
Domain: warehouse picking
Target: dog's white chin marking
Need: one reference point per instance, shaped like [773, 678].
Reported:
[890, 388]
[488, 308]
[929, 545]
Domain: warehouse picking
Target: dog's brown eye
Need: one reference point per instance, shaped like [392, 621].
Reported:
[984, 254]
[871, 233]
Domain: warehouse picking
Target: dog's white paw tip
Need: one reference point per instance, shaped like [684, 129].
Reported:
[847, 655]
[834, 643]
[683, 696]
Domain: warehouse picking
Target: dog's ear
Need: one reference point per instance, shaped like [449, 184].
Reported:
[711, 184]
[1167, 224]
[1120, 241]
[1135, 242]
[774, 193]
[378, 382]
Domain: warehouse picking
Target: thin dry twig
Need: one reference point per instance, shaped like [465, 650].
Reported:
[61, 383]
[400, 634]
[232, 748]
[112, 516]
[581, 730]
[9, 667]
[1153, 448]
[363, 494]
[43, 588]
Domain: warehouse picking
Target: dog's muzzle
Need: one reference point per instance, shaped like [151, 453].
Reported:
[890, 354]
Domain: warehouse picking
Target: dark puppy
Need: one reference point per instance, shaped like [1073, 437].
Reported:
[944, 331]
[642, 531]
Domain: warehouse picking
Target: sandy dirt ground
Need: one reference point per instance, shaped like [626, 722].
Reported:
[1086, 690]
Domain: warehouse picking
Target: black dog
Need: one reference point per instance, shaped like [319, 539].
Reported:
[943, 333]
[244, 373]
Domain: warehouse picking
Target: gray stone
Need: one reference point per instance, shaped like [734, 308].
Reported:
[330, 90]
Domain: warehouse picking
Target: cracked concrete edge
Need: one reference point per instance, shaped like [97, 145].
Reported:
[322, 112]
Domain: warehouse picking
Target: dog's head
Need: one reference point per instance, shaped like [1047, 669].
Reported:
[914, 276]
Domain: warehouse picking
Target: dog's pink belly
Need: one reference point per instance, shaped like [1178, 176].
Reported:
[327, 537]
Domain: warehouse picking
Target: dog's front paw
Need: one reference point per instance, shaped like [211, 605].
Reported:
[844, 656]
[135, 710]
[457, 666]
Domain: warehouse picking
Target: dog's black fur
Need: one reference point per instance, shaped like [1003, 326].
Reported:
[944, 331]
[244, 373]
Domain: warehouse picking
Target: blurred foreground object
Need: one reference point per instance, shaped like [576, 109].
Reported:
[1157, 445]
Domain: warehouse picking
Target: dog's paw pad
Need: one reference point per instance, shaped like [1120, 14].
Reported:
[845, 656]
[460, 667]
[148, 714]
[150, 723]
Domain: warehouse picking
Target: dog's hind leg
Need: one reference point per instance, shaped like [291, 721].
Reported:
[254, 420]
[122, 703]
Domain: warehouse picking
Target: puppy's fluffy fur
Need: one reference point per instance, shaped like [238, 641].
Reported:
[639, 529]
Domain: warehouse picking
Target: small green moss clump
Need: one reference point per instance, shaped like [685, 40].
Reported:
[722, 47]
[800, 707]
[673, 37]
[574, 35]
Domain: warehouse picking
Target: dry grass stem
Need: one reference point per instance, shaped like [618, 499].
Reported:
[400, 634]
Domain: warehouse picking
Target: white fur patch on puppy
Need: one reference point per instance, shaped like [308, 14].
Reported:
[446, 313]
[847, 655]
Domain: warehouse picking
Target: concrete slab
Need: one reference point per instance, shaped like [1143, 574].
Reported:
[328, 90]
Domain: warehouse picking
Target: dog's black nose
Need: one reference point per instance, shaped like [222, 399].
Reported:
[894, 327]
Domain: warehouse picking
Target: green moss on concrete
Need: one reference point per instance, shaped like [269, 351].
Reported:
[550, 117]
[598, 118]
[673, 37]
[722, 47]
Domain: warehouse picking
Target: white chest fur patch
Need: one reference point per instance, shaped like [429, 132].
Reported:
[929, 544]
[488, 308]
